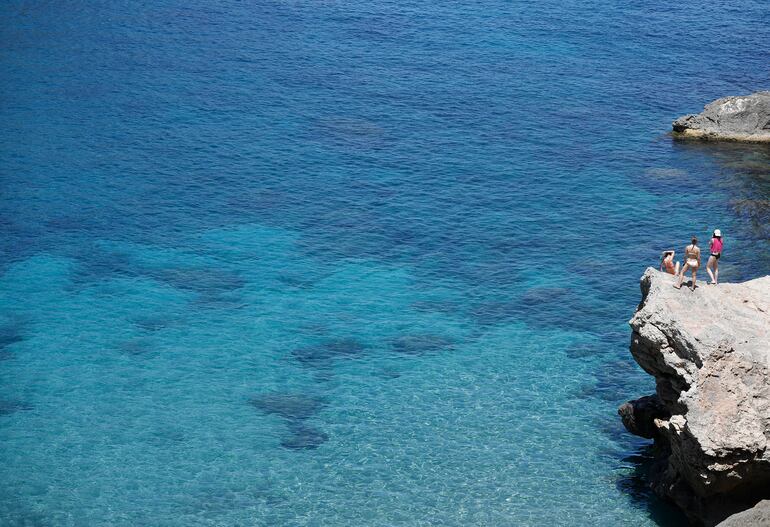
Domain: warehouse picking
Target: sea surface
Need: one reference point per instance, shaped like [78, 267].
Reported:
[327, 263]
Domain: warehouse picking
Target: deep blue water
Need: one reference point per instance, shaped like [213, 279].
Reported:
[330, 263]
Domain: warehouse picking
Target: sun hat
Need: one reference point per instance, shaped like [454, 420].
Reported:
[717, 233]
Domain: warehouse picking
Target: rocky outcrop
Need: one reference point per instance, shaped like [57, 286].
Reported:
[757, 516]
[740, 118]
[639, 416]
[709, 351]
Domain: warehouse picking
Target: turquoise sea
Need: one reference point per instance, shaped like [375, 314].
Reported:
[327, 263]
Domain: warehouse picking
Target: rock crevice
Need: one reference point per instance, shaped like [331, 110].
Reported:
[709, 351]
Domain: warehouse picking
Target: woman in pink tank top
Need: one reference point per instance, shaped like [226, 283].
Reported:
[716, 252]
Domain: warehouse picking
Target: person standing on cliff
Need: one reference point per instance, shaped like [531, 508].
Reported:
[716, 252]
[691, 262]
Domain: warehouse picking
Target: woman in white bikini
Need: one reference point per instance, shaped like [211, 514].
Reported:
[691, 262]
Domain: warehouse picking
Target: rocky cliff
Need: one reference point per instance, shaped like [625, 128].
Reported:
[741, 118]
[757, 516]
[709, 351]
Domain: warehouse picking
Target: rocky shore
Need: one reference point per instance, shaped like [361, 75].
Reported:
[709, 351]
[739, 118]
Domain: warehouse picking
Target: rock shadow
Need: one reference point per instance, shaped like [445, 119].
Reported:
[292, 406]
[303, 436]
[296, 409]
[135, 347]
[582, 350]
[449, 307]
[323, 356]
[635, 484]
[153, 323]
[215, 288]
[10, 334]
[543, 307]
[206, 281]
[165, 435]
[609, 384]
[11, 406]
[347, 132]
[296, 282]
[96, 265]
[420, 344]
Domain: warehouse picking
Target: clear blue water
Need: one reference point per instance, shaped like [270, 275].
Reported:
[329, 263]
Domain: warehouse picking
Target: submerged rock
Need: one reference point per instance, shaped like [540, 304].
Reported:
[135, 347]
[9, 337]
[709, 351]
[304, 437]
[420, 343]
[741, 118]
[322, 355]
[289, 405]
[204, 280]
[10, 406]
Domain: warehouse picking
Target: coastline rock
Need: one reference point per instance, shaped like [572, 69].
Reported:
[757, 516]
[737, 118]
[639, 416]
[709, 351]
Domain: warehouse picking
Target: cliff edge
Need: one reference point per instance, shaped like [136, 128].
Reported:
[709, 351]
[738, 118]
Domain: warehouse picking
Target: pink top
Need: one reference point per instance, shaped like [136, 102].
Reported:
[716, 246]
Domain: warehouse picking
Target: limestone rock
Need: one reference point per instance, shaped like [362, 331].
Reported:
[757, 516]
[639, 416]
[709, 351]
[738, 118]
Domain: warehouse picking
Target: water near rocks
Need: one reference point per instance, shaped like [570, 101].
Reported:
[323, 263]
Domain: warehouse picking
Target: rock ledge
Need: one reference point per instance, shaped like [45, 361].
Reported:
[737, 118]
[709, 351]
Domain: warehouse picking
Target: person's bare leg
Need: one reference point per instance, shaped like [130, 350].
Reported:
[681, 277]
[710, 263]
[716, 271]
[676, 269]
[694, 272]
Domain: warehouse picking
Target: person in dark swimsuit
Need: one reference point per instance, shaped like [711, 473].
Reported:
[716, 253]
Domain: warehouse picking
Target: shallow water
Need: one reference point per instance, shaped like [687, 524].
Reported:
[313, 263]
